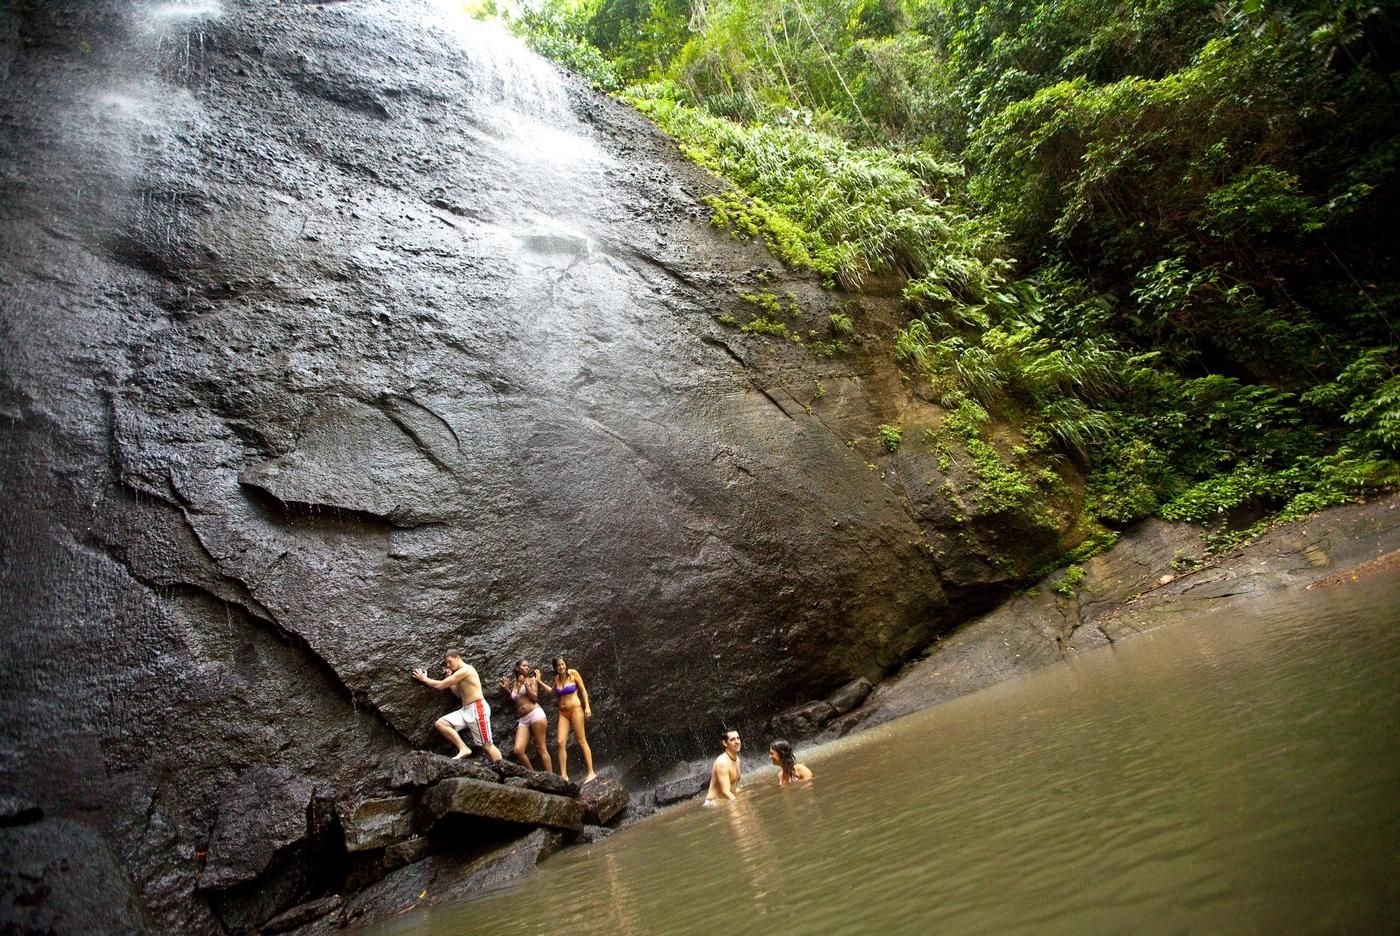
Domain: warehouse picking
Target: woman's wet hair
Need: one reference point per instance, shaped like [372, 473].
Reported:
[787, 760]
[557, 661]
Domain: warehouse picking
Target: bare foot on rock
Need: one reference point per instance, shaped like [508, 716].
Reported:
[462, 754]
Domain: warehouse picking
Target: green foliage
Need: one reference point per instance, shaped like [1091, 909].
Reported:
[1002, 486]
[1367, 392]
[1100, 542]
[890, 436]
[817, 201]
[1147, 236]
[1069, 582]
[551, 32]
[765, 326]
[769, 318]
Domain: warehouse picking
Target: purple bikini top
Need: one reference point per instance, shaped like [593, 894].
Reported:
[561, 691]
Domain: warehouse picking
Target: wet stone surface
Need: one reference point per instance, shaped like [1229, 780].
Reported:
[334, 336]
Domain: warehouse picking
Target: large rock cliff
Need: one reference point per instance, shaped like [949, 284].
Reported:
[336, 335]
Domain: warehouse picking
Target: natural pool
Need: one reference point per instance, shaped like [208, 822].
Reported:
[1232, 773]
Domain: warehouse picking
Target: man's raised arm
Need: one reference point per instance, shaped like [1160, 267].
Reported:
[444, 683]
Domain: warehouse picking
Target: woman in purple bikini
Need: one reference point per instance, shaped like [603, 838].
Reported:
[572, 696]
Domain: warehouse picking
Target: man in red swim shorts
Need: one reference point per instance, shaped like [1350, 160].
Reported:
[474, 716]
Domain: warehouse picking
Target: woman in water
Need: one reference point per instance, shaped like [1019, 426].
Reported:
[572, 696]
[524, 692]
[780, 753]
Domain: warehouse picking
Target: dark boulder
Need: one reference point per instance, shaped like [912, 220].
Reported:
[496, 801]
[419, 769]
[378, 822]
[60, 876]
[678, 791]
[803, 721]
[407, 852]
[537, 779]
[15, 811]
[303, 914]
[850, 695]
[261, 817]
[592, 834]
[602, 800]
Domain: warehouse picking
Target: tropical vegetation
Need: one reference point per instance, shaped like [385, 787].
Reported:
[1154, 236]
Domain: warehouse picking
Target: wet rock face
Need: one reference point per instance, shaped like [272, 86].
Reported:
[263, 815]
[378, 822]
[335, 336]
[58, 876]
[1155, 572]
[678, 791]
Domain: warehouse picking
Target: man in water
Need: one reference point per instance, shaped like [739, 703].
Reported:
[724, 776]
[474, 716]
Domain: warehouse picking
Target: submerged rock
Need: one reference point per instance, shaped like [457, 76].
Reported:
[592, 834]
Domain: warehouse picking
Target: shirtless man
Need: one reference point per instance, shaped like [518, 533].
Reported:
[724, 776]
[474, 716]
[525, 693]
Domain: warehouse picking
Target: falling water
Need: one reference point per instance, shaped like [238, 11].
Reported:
[523, 95]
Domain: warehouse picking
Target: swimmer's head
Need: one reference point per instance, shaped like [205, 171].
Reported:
[781, 755]
[560, 666]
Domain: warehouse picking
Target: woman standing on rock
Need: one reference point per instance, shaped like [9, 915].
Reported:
[572, 696]
[524, 692]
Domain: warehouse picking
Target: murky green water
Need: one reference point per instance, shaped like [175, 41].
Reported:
[1239, 773]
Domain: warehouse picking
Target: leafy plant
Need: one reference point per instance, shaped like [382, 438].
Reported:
[890, 436]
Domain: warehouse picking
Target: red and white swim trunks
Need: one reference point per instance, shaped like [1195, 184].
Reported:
[475, 719]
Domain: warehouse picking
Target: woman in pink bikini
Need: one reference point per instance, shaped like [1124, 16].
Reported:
[524, 692]
[572, 696]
